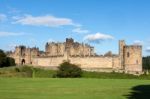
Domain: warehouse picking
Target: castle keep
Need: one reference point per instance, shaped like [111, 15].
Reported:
[72, 48]
[128, 60]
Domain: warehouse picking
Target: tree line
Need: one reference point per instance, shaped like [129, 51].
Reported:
[146, 63]
[6, 61]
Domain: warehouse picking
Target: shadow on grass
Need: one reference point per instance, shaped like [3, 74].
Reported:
[139, 92]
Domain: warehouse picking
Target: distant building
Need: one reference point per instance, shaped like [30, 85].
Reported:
[128, 60]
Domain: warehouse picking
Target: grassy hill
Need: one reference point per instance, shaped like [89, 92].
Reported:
[26, 71]
[32, 72]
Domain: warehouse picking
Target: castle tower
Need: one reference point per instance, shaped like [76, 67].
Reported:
[92, 51]
[17, 55]
[69, 43]
[34, 52]
[47, 48]
[23, 55]
[27, 56]
[60, 49]
[133, 58]
[121, 53]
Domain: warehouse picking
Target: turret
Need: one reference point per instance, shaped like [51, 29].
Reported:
[69, 42]
[121, 52]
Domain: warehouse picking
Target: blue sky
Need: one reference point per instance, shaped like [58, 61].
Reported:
[101, 23]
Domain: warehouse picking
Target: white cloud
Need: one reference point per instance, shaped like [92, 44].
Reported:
[79, 30]
[49, 21]
[98, 37]
[4, 34]
[148, 49]
[2, 17]
[138, 42]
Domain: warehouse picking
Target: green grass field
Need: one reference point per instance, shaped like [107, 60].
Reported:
[80, 88]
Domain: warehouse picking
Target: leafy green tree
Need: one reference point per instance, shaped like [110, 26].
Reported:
[146, 63]
[10, 61]
[2, 58]
[68, 70]
[6, 61]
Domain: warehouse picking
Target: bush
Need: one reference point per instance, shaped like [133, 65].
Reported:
[146, 63]
[68, 70]
[17, 69]
[9, 62]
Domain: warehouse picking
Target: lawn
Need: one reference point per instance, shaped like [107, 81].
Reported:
[80, 88]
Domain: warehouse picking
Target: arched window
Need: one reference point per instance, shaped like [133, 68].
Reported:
[128, 54]
[23, 62]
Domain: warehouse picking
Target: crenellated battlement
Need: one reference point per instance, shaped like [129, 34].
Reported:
[133, 46]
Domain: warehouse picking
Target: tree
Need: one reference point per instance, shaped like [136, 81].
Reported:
[2, 58]
[68, 70]
[10, 61]
[6, 61]
[146, 63]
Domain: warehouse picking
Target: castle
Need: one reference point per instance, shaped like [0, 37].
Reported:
[128, 60]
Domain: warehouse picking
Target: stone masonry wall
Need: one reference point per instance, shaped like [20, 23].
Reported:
[92, 62]
[48, 62]
[83, 62]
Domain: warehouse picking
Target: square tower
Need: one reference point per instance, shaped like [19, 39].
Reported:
[133, 58]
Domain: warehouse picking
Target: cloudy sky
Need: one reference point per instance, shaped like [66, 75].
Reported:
[100, 23]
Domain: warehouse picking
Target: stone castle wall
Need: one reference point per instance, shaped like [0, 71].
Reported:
[47, 61]
[129, 58]
[92, 62]
[86, 62]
